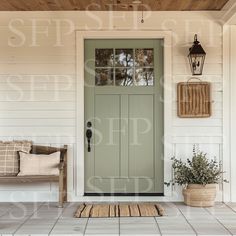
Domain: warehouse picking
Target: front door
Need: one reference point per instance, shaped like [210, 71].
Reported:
[123, 117]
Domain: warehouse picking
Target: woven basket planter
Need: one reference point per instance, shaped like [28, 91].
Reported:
[197, 195]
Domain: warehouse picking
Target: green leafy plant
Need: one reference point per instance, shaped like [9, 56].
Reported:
[199, 170]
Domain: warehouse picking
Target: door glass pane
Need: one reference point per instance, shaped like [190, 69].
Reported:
[104, 57]
[144, 57]
[124, 57]
[124, 76]
[103, 77]
[144, 77]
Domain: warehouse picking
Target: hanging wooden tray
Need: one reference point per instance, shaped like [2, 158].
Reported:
[194, 99]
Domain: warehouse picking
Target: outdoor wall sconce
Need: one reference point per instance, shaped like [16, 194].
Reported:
[196, 57]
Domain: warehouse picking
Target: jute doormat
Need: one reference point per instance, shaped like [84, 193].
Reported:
[119, 210]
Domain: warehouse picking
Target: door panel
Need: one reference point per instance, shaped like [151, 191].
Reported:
[107, 138]
[123, 100]
[141, 136]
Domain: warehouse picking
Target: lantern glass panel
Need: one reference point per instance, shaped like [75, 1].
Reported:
[196, 63]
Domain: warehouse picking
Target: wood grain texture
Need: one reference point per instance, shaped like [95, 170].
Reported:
[28, 179]
[194, 100]
[122, 210]
[105, 5]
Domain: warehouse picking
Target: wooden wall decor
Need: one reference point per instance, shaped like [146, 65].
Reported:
[194, 99]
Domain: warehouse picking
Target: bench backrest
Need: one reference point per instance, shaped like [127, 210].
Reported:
[37, 149]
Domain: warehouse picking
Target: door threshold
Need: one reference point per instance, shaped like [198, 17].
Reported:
[123, 194]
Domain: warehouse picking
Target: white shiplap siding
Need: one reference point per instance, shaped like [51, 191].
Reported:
[38, 80]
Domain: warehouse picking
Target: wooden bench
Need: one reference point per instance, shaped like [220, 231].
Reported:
[61, 179]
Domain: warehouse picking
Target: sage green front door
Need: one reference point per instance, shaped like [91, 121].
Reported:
[123, 116]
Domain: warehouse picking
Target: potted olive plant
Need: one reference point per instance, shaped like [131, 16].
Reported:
[199, 178]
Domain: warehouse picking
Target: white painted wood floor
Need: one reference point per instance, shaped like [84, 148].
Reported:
[47, 219]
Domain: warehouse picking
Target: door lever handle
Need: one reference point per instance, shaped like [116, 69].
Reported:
[89, 134]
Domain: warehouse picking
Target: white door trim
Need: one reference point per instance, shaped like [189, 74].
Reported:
[168, 147]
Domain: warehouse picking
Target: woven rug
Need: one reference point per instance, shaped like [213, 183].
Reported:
[119, 210]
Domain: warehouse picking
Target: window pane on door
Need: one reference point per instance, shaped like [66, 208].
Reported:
[124, 76]
[144, 77]
[144, 57]
[124, 57]
[104, 57]
[103, 77]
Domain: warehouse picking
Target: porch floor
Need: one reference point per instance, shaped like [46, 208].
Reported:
[47, 219]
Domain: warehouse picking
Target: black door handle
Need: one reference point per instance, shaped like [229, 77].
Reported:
[89, 134]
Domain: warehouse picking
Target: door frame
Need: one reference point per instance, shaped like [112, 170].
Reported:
[81, 36]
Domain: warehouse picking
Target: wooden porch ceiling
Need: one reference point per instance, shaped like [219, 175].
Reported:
[115, 5]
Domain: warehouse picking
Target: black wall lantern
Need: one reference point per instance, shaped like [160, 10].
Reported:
[196, 57]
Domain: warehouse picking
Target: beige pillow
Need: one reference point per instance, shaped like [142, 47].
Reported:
[38, 164]
[9, 160]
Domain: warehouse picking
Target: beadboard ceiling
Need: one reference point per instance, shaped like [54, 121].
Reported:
[115, 5]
